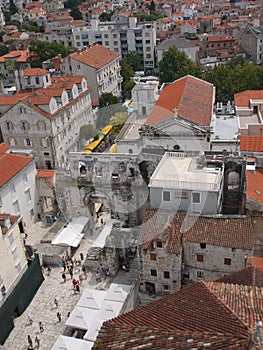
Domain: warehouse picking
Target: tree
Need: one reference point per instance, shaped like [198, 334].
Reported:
[152, 7]
[76, 14]
[105, 16]
[3, 50]
[108, 99]
[134, 60]
[88, 131]
[42, 51]
[175, 64]
[127, 73]
[118, 118]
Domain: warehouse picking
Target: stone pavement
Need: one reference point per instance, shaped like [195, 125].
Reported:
[43, 309]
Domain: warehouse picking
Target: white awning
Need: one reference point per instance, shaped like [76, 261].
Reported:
[71, 235]
[69, 343]
[100, 241]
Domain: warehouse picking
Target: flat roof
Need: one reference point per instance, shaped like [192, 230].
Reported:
[225, 127]
[178, 171]
[245, 120]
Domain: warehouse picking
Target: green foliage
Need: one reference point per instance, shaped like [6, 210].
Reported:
[12, 7]
[118, 118]
[135, 60]
[127, 87]
[3, 50]
[43, 51]
[175, 64]
[108, 99]
[71, 4]
[105, 113]
[152, 7]
[76, 14]
[235, 76]
[88, 131]
[106, 16]
[149, 18]
[127, 73]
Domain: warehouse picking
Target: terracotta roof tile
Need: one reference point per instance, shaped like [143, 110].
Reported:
[3, 148]
[187, 316]
[251, 143]
[242, 99]
[96, 56]
[254, 185]
[255, 261]
[221, 231]
[44, 173]
[35, 72]
[11, 164]
[191, 97]
[250, 276]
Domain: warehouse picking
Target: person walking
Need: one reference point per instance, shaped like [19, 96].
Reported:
[59, 316]
[30, 320]
[41, 328]
[64, 277]
[29, 339]
[81, 256]
[37, 341]
[56, 302]
[98, 277]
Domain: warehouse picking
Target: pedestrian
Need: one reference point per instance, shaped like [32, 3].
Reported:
[30, 320]
[64, 264]
[29, 339]
[68, 314]
[56, 302]
[48, 270]
[59, 316]
[107, 273]
[81, 257]
[64, 277]
[37, 341]
[77, 288]
[41, 328]
[71, 272]
[98, 277]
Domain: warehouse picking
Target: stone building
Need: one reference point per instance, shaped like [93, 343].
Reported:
[46, 119]
[18, 195]
[251, 42]
[175, 248]
[99, 65]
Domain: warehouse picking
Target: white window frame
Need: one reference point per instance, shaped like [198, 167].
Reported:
[192, 197]
[165, 192]
[28, 195]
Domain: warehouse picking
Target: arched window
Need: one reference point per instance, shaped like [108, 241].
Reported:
[41, 126]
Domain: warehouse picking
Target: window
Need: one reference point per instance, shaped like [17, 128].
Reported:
[159, 244]
[13, 189]
[11, 237]
[9, 126]
[22, 110]
[166, 196]
[233, 250]
[27, 142]
[202, 245]
[37, 80]
[153, 273]
[196, 197]
[44, 143]
[18, 267]
[41, 126]
[16, 207]
[166, 274]
[165, 287]
[152, 256]
[12, 141]
[14, 252]
[24, 126]
[199, 258]
[200, 274]
[32, 213]
[28, 195]
[227, 261]
[25, 179]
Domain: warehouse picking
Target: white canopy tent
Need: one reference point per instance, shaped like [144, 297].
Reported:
[118, 292]
[69, 343]
[72, 234]
[100, 241]
[92, 299]
[81, 318]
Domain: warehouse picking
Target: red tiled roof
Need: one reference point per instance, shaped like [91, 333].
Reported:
[10, 165]
[44, 173]
[191, 97]
[221, 231]
[35, 72]
[3, 148]
[250, 276]
[254, 185]
[96, 56]
[201, 309]
[242, 99]
[255, 261]
[251, 143]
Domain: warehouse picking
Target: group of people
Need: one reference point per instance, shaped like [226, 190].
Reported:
[69, 265]
[30, 343]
